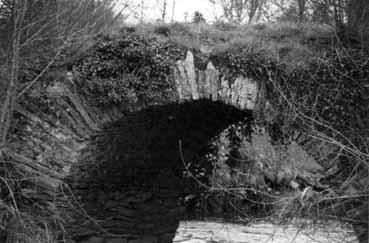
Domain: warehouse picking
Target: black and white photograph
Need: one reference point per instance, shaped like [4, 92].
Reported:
[184, 121]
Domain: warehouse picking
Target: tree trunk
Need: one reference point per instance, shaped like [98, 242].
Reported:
[301, 7]
[11, 76]
[254, 7]
[358, 16]
[164, 10]
[142, 10]
[173, 9]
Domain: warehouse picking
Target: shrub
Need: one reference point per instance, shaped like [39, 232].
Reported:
[113, 90]
[162, 30]
[181, 29]
[128, 29]
[224, 26]
[127, 70]
[324, 97]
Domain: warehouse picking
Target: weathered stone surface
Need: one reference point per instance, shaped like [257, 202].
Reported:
[244, 93]
[186, 81]
[61, 90]
[304, 166]
[207, 232]
[257, 160]
[241, 92]
[211, 82]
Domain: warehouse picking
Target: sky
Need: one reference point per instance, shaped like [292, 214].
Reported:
[182, 8]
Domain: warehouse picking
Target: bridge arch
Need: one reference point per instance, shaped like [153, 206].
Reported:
[110, 157]
[130, 177]
[122, 165]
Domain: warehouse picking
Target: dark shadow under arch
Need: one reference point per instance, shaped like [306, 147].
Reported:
[130, 175]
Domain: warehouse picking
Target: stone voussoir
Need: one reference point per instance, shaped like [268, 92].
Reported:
[208, 84]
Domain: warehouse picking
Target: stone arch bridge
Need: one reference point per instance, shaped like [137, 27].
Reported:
[116, 171]
[128, 174]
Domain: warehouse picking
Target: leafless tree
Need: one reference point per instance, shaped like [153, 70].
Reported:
[173, 9]
[14, 14]
[163, 5]
[350, 14]
[301, 8]
[42, 30]
[142, 8]
[237, 11]
[358, 16]
[280, 4]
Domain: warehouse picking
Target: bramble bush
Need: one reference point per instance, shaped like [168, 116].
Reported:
[325, 100]
[331, 89]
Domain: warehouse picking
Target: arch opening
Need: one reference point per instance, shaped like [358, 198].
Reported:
[130, 177]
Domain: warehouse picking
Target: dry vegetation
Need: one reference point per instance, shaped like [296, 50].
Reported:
[36, 38]
[319, 84]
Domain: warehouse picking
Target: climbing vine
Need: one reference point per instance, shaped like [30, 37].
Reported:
[128, 69]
